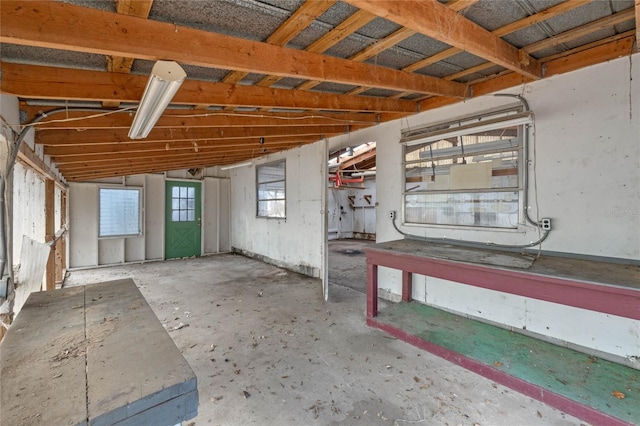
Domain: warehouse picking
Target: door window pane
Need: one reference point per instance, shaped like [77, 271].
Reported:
[183, 204]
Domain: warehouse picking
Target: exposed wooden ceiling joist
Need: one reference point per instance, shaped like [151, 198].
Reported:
[387, 42]
[36, 82]
[77, 153]
[582, 57]
[91, 137]
[638, 22]
[358, 158]
[330, 39]
[194, 119]
[597, 25]
[431, 18]
[107, 33]
[212, 135]
[140, 8]
[193, 162]
[500, 32]
[298, 21]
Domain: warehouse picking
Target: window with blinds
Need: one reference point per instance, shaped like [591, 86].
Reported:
[120, 212]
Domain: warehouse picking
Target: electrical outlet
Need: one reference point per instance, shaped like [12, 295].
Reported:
[545, 224]
[392, 214]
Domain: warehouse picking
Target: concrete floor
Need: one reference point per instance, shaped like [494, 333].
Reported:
[348, 263]
[267, 350]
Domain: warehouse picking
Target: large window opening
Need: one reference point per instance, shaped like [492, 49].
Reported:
[270, 181]
[120, 212]
[466, 172]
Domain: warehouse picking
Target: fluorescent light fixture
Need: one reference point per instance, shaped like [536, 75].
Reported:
[235, 166]
[452, 132]
[165, 80]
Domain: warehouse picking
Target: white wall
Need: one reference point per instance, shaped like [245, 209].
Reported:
[28, 208]
[295, 242]
[355, 219]
[587, 165]
[86, 249]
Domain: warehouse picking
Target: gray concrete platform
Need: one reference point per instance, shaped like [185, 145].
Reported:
[267, 350]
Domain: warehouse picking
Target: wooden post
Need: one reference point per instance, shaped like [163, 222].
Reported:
[61, 247]
[50, 230]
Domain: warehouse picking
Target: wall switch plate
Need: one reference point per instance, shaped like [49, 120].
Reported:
[545, 224]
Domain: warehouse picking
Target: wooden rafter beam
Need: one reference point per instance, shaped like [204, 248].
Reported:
[46, 24]
[435, 20]
[27, 156]
[570, 61]
[32, 81]
[499, 32]
[358, 158]
[638, 24]
[74, 153]
[597, 25]
[330, 39]
[102, 136]
[387, 42]
[140, 8]
[186, 118]
[153, 168]
[564, 37]
[298, 21]
[75, 162]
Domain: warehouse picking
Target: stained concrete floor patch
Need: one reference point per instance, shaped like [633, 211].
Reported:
[268, 350]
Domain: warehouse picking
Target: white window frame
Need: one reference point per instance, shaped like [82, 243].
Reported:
[432, 134]
[262, 199]
[137, 233]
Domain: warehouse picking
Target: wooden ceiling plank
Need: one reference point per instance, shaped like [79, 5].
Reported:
[570, 61]
[605, 41]
[500, 32]
[358, 159]
[95, 31]
[61, 151]
[370, 51]
[153, 168]
[183, 118]
[347, 27]
[391, 40]
[341, 31]
[541, 16]
[638, 23]
[100, 136]
[558, 39]
[140, 8]
[435, 20]
[460, 5]
[599, 24]
[32, 81]
[298, 21]
[89, 161]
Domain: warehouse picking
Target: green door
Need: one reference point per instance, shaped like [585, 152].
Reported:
[183, 220]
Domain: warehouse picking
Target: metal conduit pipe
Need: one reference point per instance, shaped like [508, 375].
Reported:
[476, 244]
[525, 153]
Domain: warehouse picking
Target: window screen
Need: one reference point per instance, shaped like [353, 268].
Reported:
[467, 177]
[271, 198]
[120, 212]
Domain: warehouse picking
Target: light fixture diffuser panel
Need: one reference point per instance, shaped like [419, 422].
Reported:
[165, 80]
